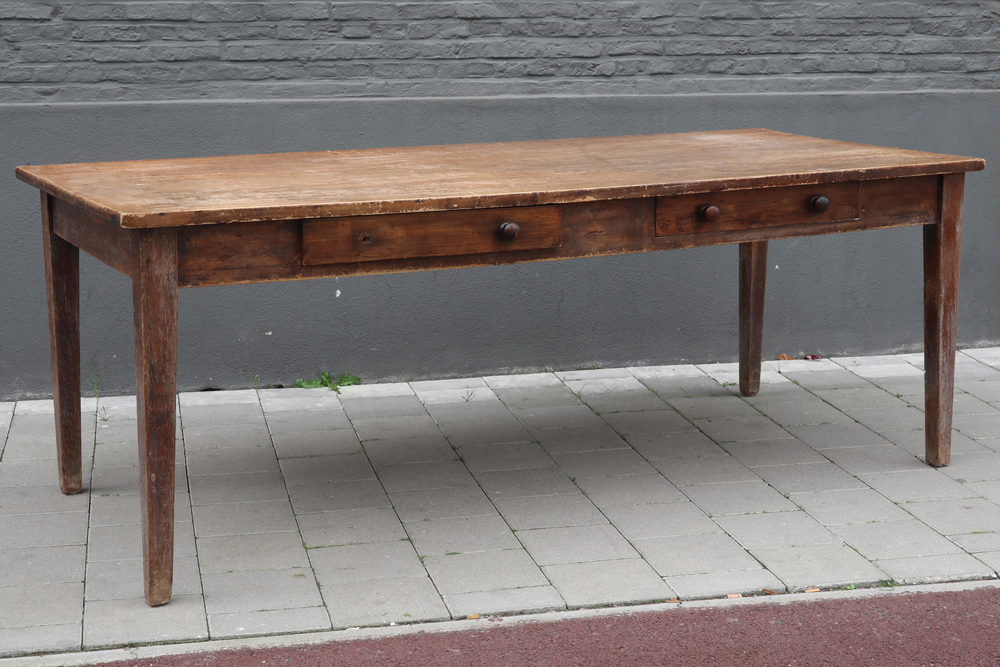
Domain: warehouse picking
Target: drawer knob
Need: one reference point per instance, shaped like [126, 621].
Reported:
[509, 231]
[709, 213]
[819, 203]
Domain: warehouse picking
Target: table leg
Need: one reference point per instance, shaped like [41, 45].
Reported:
[62, 286]
[942, 248]
[753, 277]
[154, 299]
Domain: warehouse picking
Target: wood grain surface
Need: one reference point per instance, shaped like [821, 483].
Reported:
[192, 191]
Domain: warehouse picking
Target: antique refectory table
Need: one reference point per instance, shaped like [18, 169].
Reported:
[241, 219]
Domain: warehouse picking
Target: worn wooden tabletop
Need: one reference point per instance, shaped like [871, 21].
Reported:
[166, 193]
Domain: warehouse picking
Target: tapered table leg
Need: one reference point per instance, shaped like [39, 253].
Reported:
[942, 249]
[154, 298]
[753, 278]
[62, 287]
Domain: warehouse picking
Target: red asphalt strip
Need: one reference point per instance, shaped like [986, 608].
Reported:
[942, 629]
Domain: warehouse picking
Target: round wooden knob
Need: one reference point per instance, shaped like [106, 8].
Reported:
[819, 203]
[509, 231]
[709, 213]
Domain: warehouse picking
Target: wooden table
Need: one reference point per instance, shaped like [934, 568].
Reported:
[224, 220]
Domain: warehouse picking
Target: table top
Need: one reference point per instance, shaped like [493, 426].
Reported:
[208, 190]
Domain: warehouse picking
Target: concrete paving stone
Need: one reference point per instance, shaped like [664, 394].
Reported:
[894, 539]
[461, 535]
[374, 603]
[316, 443]
[409, 450]
[226, 435]
[734, 429]
[447, 414]
[483, 571]
[376, 390]
[713, 469]
[720, 584]
[874, 459]
[786, 392]
[878, 372]
[278, 621]
[41, 500]
[889, 419]
[776, 529]
[589, 374]
[989, 558]
[191, 399]
[832, 508]
[978, 543]
[666, 372]
[261, 551]
[608, 385]
[808, 478]
[934, 569]
[989, 490]
[362, 526]
[486, 432]
[603, 463]
[618, 582]
[978, 426]
[867, 361]
[297, 398]
[637, 522]
[917, 485]
[755, 453]
[870, 397]
[642, 423]
[40, 639]
[538, 397]
[954, 517]
[231, 461]
[839, 379]
[508, 456]
[737, 498]
[386, 406]
[450, 503]
[695, 554]
[302, 421]
[802, 413]
[714, 406]
[579, 439]
[41, 604]
[326, 469]
[624, 401]
[973, 371]
[117, 455]
[123, 542]
[442, 385]
[27, 449]
[914, 442]
[560, 416]
[497, 382]
[900, 386]
[42, 565]
[268, 516]
[362, 494]
[820, 566]
[984, 390]
[22, 531]
[126, 510]
[249, 487]
[195, 416]
[127, 622]
[528, 600]
[427, 475]
[686, 387]
[385, 428]
[259, 590]
[796, 365]
[528, 482]
[32, 472]
[475, 394]
[629, 490]
[365, 562]
[986, 355]
[549, 511]
[124, 480]
[35, 407]
[688, 444]
[122, 579]
[731, 379]
[575, 544]
[964, 404]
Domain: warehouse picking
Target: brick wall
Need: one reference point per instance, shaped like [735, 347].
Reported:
[152, 50]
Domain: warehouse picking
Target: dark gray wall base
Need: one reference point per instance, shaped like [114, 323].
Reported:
[848, 294]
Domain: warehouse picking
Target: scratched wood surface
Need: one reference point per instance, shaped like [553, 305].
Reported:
[192, 191]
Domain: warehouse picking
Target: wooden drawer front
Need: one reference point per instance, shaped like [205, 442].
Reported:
[766, 207]
[434, 234]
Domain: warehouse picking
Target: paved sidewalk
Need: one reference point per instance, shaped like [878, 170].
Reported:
[301, 510]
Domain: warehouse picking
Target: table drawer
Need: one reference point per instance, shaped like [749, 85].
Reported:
[432, 234]
[766, 207]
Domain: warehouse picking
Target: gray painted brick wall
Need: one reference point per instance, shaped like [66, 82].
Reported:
[110, 51]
